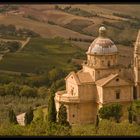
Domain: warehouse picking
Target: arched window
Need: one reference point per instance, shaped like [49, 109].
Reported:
[108, 63]
[117, 95]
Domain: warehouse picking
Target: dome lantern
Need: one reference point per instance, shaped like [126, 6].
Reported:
[102, 31]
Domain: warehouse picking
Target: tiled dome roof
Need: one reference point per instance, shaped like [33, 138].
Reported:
[102, 44]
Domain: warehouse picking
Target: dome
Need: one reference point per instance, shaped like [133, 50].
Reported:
[102, 44]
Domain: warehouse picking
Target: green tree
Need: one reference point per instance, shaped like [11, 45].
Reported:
[136, 110]
[62, 115]
[12, 116]
[51, 117]
[117, 111]
[111, 110]
[13, 46]
[53, 88]
[130, 114]
[60, 83]
[29, 115]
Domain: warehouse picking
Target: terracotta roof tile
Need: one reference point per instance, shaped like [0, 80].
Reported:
[84, 77]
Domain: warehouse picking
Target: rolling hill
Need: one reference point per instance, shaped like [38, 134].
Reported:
[77, 22]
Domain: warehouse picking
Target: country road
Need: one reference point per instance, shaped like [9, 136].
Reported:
[24, 44]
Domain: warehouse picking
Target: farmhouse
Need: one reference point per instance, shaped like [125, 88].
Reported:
[101, 81]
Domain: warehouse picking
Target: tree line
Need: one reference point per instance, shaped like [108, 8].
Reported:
[10, 45]
[11, 30]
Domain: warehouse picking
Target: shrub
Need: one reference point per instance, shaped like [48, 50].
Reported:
[42, 91]
[51, 22]
[12, 89]
[56, 74]
[12, 116]
[135, 110]
[2, 91]
[28, 91]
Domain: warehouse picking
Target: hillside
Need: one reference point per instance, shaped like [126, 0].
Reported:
[78, 24]
[41, 55]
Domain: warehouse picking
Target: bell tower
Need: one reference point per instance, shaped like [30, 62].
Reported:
[136, 93]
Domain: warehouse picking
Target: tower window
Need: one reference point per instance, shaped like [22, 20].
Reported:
[117, 94]
[73, 115]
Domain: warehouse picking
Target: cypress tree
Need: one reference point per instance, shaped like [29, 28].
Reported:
[29, 116]
[97, 121]
[130, 115]
[12, 116]
[51, 109]
[53, 88]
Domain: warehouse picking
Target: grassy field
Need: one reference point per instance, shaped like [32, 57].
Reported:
[41, 54]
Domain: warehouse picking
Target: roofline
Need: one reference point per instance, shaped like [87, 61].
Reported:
[102, 85]
[75, 76]
[115, 75]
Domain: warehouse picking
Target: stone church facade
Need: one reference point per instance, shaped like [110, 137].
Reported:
[101, 81]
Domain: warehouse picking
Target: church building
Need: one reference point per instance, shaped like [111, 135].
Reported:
[101, 81]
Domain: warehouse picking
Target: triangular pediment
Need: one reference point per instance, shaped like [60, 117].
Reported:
[117, 81]
[113, 80]
[72, 77]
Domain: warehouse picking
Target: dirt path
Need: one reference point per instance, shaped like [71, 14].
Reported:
[24, 44]
[3, 39]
